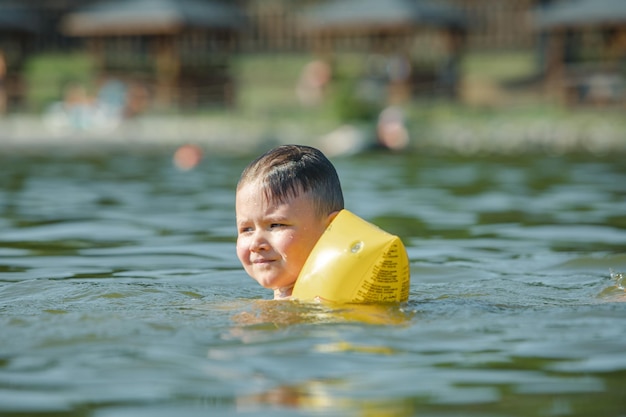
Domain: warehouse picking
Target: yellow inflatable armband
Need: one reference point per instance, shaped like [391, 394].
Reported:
[355, 262]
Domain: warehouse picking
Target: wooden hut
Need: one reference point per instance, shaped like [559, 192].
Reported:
[180, 49]
[586, 50]
[421, 41]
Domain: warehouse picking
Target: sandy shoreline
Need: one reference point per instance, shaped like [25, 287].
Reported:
[19, 132]
[235, 135]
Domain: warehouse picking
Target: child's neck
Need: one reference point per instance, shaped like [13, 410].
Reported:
[283, 293]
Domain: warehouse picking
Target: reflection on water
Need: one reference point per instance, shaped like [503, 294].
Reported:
[121, 294]
[285, 313]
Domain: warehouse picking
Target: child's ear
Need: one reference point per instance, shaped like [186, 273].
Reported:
[331, 217]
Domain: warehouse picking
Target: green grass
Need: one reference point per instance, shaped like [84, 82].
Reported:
[47, 74]
[500, 66]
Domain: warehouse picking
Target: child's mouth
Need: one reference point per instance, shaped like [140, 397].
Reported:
[262, 261]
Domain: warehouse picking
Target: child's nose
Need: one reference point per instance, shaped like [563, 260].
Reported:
[259, 243]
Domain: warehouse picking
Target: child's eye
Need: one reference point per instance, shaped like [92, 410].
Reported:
[277, 225]
[245, 229]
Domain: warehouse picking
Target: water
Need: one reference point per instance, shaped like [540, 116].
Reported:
[121, 294]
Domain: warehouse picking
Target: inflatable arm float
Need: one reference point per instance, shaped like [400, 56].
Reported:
[355, 262]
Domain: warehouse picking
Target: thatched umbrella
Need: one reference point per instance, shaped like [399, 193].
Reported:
[160, 23]
[581, 13]
[561, 21]
[388, 26]
[367, 16]
[145, 17]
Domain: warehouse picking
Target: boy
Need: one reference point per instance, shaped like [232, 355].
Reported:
[284, 201]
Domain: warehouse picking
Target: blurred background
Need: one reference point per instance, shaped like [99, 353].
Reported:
[468, 74]
[488, 134]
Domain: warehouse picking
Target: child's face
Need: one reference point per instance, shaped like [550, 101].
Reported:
[275, 239]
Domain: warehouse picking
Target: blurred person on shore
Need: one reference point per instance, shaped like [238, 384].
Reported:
[74, 112]
[391, 130]
[137, 100]
[389, 134]
[79, 112]
[312, 83]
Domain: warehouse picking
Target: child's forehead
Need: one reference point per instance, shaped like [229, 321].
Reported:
[252, 203]
[261, 192]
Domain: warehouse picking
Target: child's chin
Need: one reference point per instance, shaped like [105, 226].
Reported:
[269, 283]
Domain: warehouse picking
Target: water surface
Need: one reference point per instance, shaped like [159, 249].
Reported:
[121, 294]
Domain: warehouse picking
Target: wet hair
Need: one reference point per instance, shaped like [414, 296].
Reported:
[288, 171]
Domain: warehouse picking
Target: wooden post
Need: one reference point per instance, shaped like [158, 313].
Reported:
[555, 65]
[167, 71]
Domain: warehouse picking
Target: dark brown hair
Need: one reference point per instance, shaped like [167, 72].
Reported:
[287, 171]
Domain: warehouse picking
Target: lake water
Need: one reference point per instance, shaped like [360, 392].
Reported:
[121, 294]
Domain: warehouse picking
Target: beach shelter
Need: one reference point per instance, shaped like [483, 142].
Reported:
[336, 17]
[393, 28]
[144, 17]
[182, 47]
[581, 13]
[19, 26]
[586, 49]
